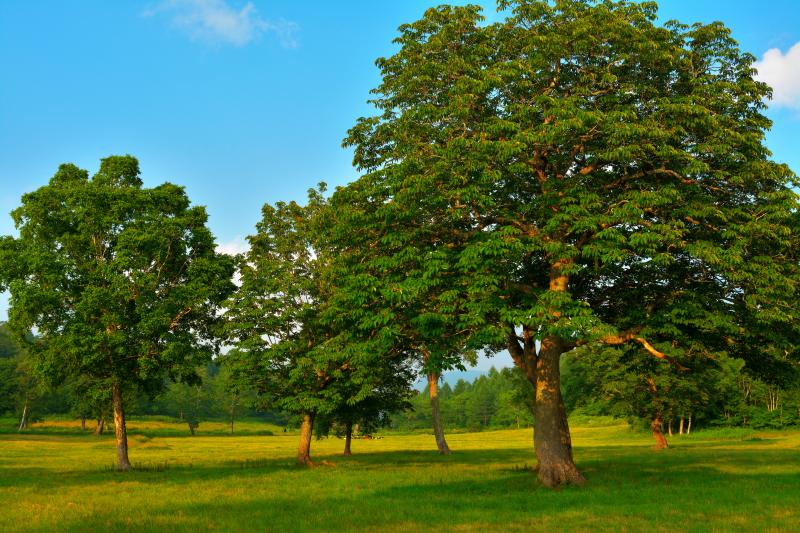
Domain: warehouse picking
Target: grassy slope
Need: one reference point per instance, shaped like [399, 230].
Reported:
[52, 480]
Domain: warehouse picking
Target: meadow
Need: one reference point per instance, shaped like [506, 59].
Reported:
[54, 478]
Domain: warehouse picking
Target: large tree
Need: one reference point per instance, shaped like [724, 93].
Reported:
[120, 282]
[577, 174]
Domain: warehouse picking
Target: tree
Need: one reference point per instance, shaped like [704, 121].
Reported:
[120, 282]
[192, 401]
[577, 174]
[89, 398]
[9, 378]
[284, 349]
[389, 395]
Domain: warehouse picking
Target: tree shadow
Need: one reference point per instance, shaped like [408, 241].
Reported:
[506, 501]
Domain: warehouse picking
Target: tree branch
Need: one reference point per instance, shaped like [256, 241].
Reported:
[632, 335]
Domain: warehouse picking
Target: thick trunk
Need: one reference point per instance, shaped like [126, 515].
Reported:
[23, 422]
[348, 438]
[306, 431]
[438, 432]
[658, 433]
[119, 429]
[101, 423]
[191, 428]
[551, 438]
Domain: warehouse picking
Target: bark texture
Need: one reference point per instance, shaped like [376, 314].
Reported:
[348, 439]
[306, 431]
[658, 434]
[551, 439]
[438, 432]
[120, 431]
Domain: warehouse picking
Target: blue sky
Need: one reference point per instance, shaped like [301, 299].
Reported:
[247, 102]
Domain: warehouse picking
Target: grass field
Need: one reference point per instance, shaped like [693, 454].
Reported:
[56, 479]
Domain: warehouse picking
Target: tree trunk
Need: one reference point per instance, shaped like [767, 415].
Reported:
[438, 432]
[83, 422]
[348, 438]
[101, 422]
[669, 427]
[689, 427]
[658, 433]
[119, 429]
[233, 411]
[191, 428]
[681, 426]
[551, 438]
[23, 422]
[306, 431]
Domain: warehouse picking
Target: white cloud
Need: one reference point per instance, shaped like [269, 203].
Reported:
[782, 72]
[218, 22]
[237, 245]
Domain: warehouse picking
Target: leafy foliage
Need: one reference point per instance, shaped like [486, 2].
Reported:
[120, 282]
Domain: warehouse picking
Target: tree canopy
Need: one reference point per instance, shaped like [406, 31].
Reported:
[120, 282]
[577, 173]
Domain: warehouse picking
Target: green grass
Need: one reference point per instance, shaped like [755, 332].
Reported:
[54, 480]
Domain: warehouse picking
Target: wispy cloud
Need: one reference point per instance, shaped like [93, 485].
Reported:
[218, 22]
[237, 245]
[782, 72]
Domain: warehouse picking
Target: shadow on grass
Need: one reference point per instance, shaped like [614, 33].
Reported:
[672, 498]
[617, 465]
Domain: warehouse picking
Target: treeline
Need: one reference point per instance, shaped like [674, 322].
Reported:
[499, 399]
[28, 397]
[722, 394]
[709, 392]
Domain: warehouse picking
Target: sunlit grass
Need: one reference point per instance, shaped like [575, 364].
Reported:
[55, 478]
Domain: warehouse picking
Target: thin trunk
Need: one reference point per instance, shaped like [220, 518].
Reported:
[123, 464]
[669, 427]
[233, 410]
[438, 432]
[689, 427]
[23, 422]
[551, 437]
[101, 422]
[681, 426]
[658, 433]
[191, 428]
[306, 431]
[348, 438]
[83, 422]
